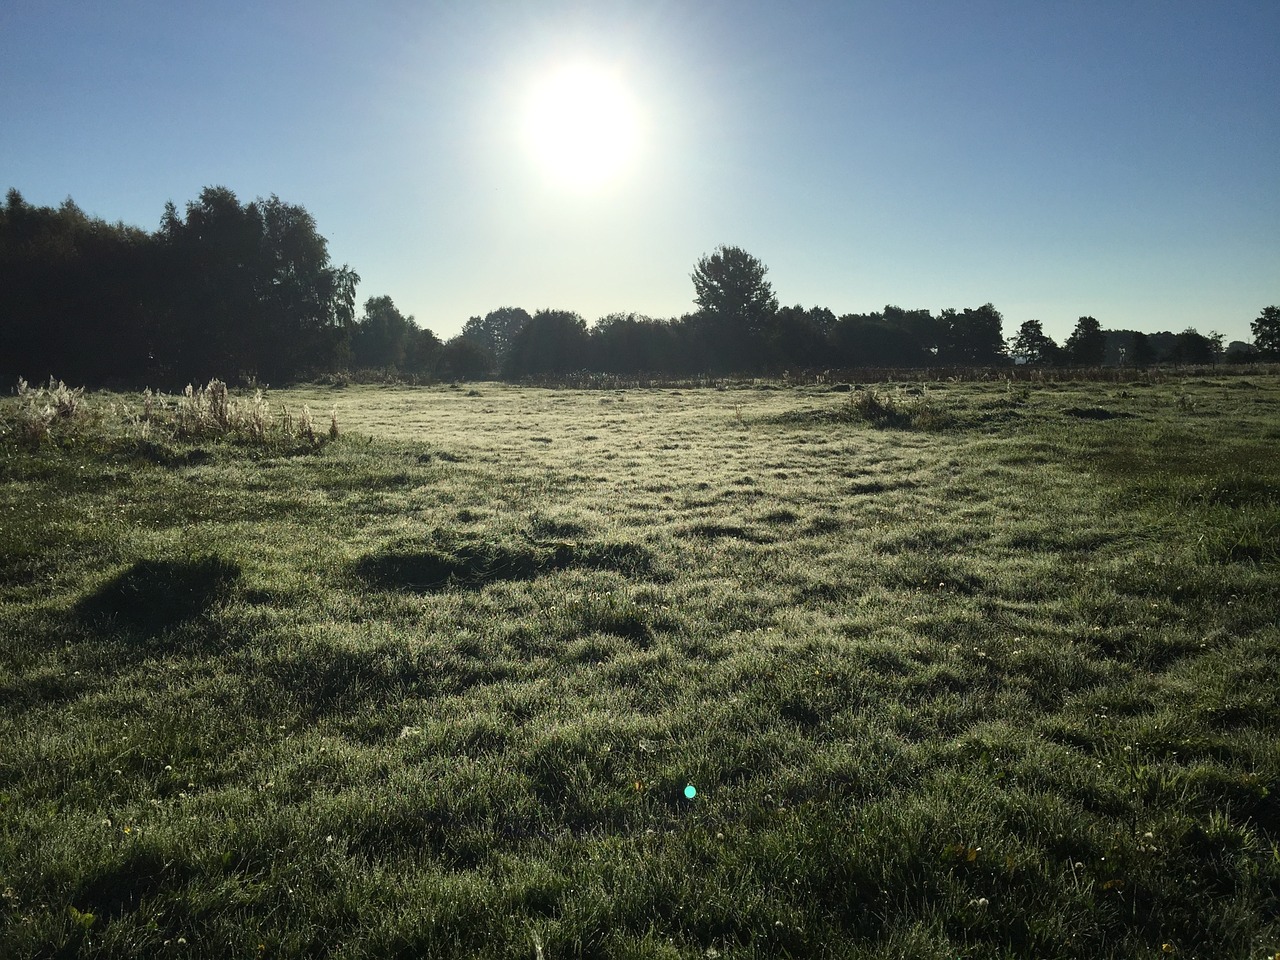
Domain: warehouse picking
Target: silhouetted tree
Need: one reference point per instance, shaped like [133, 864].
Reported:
[1217, 343]
[1087, 345]
[926, 331]
[74, 294]
[736, 307]
[1238, 351]
[552, 342]
[1266, 333]
[798, 337]
[382, 336]
[1141, 352]
[974, 337]
[896, 338]
[251, 291]
[1033, 345]
[496, 330]
[464, 359]
[632, 343]
[422, 352]
[1191, 346]
[307, 305]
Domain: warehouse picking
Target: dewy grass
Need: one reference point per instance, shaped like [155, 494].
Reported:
[438, 688]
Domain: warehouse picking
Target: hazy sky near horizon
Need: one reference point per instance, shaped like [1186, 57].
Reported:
[1119, 159]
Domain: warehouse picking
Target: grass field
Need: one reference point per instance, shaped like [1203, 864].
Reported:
[956, 670]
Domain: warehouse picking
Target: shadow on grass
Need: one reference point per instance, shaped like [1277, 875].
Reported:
[154, 595]
[140, 875]
[473, 564]
[1096, 413]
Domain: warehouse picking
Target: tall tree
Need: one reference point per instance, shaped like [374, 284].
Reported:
[1033, 345]
[632, 343]
[251, 290]
[464, 359]
[1266, 333]
[496, 330]
[383, 337]
[1087, 345]
[736, 307]
[552, 342]
[974, 337]
[1191, 346]
[75, 295]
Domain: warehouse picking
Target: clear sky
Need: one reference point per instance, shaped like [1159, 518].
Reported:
[1057, 158]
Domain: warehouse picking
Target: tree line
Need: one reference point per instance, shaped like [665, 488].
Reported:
[247, 291]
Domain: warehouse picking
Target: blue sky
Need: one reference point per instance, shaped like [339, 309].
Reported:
[1118, 159]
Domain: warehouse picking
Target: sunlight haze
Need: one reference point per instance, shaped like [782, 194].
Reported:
[582, 126]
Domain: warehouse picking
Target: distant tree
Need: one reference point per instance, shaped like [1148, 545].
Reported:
[1266, 333]
[736, 307]
[1033, 345]
[1087, 345]
[552, 342]
[691, 351]
[1218, 342]
[798, 337]
[464, 359]
[927, 332]
[1191, 346]
[382, 336]
[496, 330]
[974, 337]
[1141, 352]
[632, 343]
[1240, 352]
[422, 352]
[823, 319]
[895, 338]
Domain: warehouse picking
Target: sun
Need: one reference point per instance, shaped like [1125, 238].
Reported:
[582, 126]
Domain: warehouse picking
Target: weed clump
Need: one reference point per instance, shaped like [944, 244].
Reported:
[42, 409]
[886, 410]
[881, 409]
[212, 413]
[58, 413]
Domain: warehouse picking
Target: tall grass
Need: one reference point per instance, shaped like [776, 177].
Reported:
[57, 413]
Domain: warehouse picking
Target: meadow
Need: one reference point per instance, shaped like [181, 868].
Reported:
[953, 670]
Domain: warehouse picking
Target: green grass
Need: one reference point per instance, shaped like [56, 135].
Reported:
[963, 670]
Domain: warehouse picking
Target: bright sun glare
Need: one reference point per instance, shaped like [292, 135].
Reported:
[582, 126]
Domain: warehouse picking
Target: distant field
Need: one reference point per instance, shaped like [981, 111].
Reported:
[955, 670]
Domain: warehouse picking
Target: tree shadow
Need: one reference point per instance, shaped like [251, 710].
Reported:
[472, 564]
[466, 565]
[154, 595]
